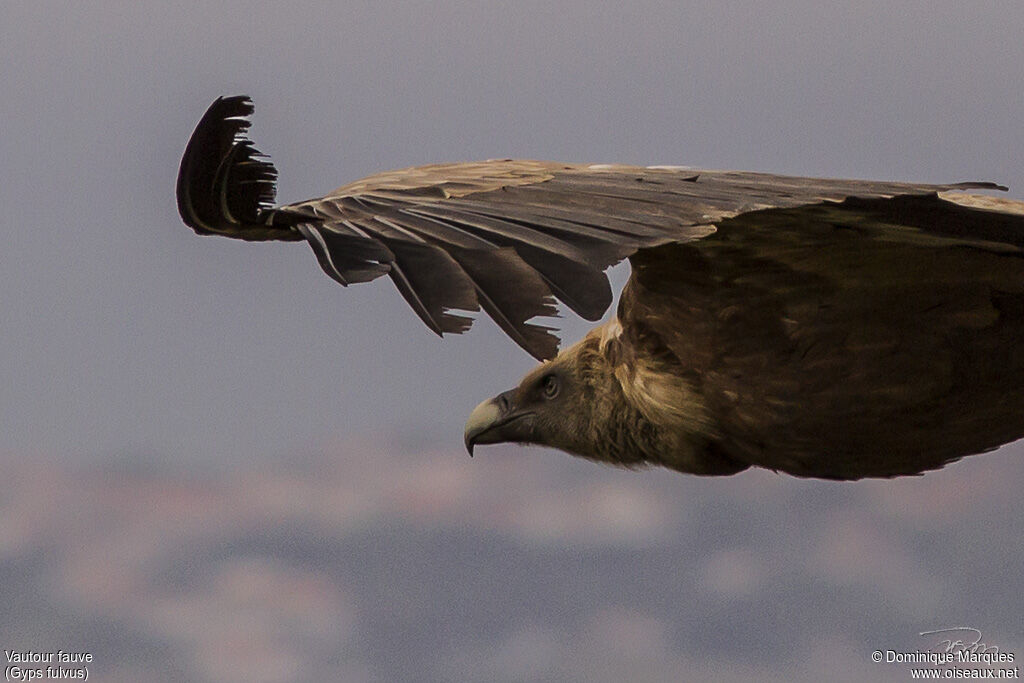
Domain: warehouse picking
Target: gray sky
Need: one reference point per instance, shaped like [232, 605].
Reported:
[126, 339]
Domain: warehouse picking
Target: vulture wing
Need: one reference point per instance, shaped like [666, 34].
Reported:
[871, 337]
[506, 236]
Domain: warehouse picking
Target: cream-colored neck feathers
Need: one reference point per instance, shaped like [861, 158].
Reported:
[658, 392]
[660, 409]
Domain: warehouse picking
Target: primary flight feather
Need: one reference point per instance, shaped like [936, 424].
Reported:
[825, 328]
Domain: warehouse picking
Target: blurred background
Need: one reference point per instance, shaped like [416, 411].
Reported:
[217, 465]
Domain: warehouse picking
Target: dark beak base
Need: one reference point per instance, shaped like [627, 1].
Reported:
[497, 420]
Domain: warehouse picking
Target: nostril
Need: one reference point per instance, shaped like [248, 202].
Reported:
[503, 403]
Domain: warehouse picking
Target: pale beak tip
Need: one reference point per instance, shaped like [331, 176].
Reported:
[482, 417]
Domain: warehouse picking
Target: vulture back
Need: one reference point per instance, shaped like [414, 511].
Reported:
[866, 338]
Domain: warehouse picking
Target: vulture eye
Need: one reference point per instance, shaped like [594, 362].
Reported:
[549, 385]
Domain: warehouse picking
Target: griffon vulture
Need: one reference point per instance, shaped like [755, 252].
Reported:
[825, 328]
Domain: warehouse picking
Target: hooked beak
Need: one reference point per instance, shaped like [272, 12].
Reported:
[498, 420]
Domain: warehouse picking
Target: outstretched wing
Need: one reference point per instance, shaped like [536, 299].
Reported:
[506, 236]
[865, 338]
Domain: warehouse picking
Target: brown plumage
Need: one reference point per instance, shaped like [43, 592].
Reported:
[825, 328]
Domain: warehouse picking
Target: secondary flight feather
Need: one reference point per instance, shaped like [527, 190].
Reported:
[825, 328]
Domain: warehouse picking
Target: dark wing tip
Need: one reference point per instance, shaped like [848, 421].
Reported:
[224, 181]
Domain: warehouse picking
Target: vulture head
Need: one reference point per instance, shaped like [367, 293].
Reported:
[599, 401]
[552, 406]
